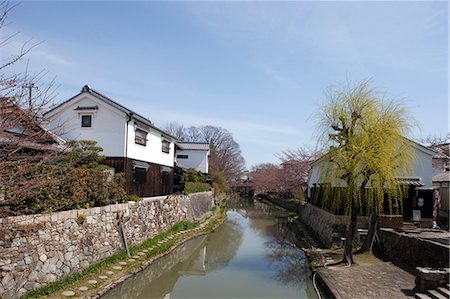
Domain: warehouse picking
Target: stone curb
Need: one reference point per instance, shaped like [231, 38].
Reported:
[144, 263]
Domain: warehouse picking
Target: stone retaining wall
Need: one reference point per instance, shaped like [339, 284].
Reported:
[412, 250]
[327, 227]
[38, 249]
[137, 286]
[288, 204]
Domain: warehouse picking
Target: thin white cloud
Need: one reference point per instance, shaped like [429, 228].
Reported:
[236, 126]
[40, 52]
[340, 32]
[276, 76]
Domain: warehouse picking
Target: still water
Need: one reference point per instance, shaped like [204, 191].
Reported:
[252, 255]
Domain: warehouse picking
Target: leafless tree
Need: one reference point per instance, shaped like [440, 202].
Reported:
[5, 8]
[435, 141]
[226, 156]
[441, 144]
[176, 130]
[24, 143]
[296, 165]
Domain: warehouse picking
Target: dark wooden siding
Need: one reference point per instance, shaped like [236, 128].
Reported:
[156, 183]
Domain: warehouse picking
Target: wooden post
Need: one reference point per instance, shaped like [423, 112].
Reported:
[124, 239]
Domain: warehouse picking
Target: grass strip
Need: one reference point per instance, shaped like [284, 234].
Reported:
[59, 284]
[121, 255]
[116, 257]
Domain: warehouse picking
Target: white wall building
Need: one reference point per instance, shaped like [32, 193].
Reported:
[193, 155]
[131, 142]
[419, 179]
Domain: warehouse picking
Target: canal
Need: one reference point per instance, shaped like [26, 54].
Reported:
[252, 255]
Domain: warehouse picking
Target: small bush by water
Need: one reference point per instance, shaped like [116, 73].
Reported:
[194, 187]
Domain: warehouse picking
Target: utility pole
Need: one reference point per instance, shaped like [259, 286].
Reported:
[30, 87]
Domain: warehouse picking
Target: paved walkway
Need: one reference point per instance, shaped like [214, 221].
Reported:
[439, 236]
[368, 279]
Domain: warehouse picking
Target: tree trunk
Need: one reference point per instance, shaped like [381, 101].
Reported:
[368, 242]
[350, 235]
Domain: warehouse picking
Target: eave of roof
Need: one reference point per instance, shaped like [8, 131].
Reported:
[31, 122]
[199, 146]
[422, 147]
[410, 181]
[111, 102]
[417, 145]
[441, 155]
[442, 177]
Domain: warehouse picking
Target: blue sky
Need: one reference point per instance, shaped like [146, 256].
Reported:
[258, 69]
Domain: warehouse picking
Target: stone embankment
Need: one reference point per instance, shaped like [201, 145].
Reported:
[416, 248]
[38, 249]
[326, 227]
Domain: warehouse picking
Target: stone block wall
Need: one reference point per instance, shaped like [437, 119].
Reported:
[200, 202]
[137, 286]
[288, 204]
[328, 227]
[38, 249]
[412, 250]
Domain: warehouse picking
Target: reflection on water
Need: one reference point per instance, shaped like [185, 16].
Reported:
[252, 255]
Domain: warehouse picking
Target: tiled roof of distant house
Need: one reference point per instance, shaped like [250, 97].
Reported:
[196, 146]
[442, 177]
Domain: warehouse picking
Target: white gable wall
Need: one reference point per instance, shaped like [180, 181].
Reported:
[421, 168]
[152, 151]
[108, 124]
[109, 130]
[314, 176]
[196, 159]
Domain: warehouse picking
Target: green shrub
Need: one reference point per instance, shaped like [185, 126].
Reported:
[194, 187]
[299, 195]
[73, 180]
[65, 188]
[192, 175]
[132, 197]
[83, 153]
[219, 184]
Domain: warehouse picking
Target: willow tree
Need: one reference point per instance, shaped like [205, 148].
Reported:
[367, 152]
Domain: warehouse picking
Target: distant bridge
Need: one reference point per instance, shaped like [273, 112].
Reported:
[243, 188]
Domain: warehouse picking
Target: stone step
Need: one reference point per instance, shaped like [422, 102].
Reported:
[444, 291]
[436, 295]
[68, 293]
[422, 296]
